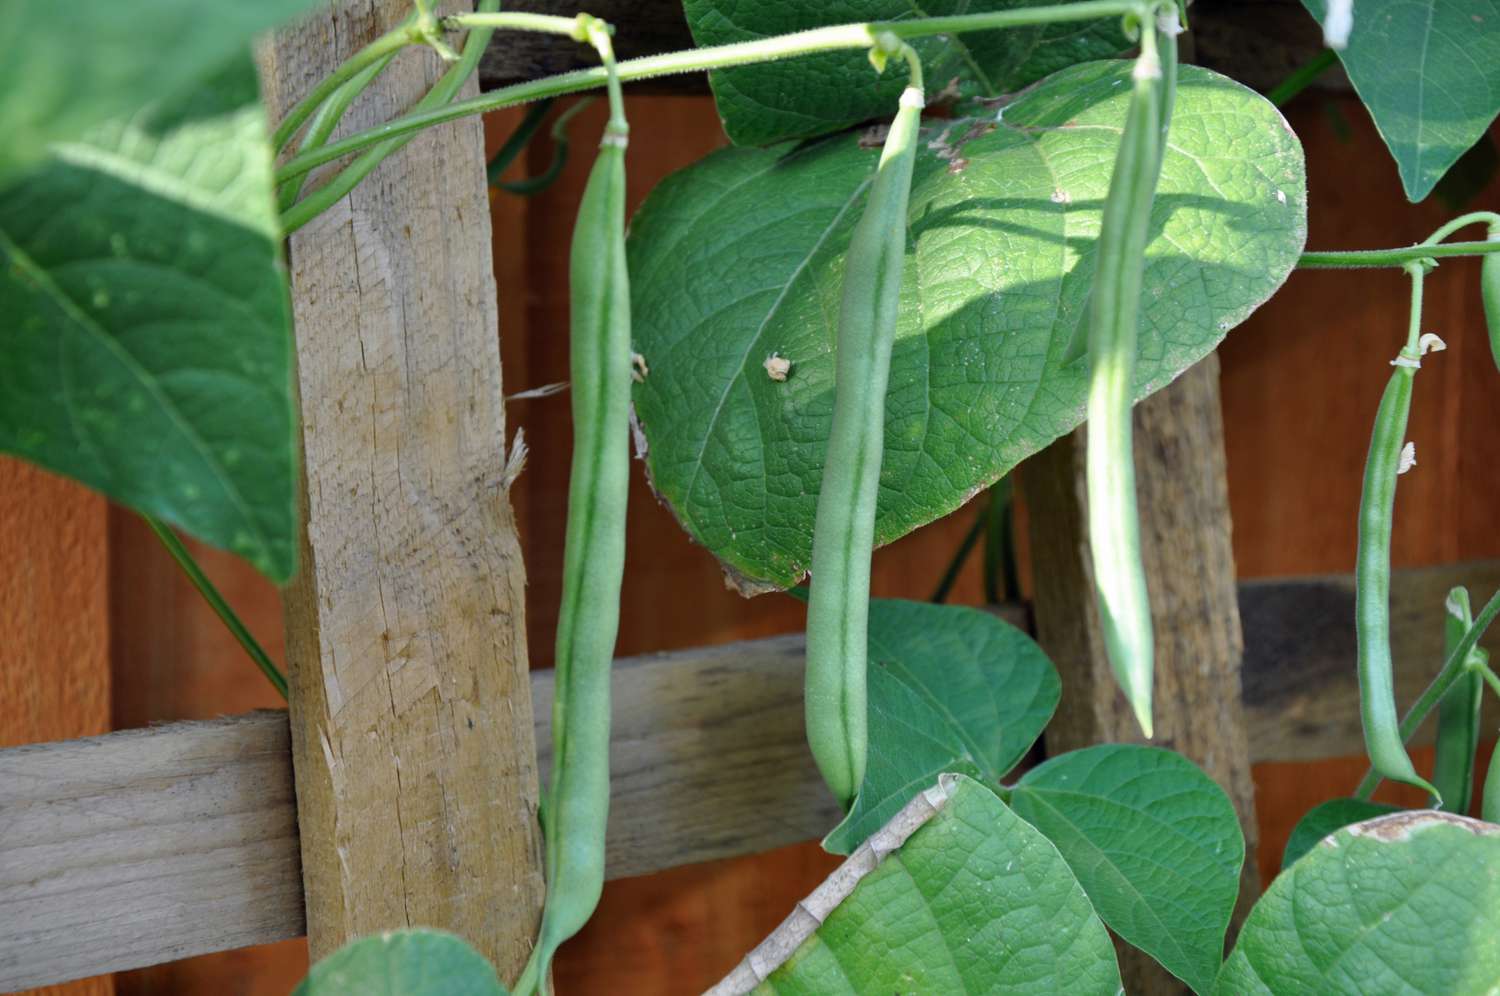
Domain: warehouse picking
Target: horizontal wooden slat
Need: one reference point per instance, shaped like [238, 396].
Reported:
[145, 846]
[1300, 685]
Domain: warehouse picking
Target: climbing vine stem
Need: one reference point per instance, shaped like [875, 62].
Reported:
[1392, 257]
[232, 622]
[827, 39]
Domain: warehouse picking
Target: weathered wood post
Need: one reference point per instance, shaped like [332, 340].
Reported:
[1185, 530]
[411, 713]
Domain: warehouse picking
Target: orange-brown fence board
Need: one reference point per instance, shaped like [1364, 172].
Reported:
[1300, 383]
[53, 609]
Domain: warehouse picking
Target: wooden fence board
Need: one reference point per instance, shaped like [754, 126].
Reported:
[143, 846]
[405, 632]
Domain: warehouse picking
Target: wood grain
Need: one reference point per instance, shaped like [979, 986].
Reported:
[1184, 535]
[191, 826]
[145, 846]
[416, 781]
[54, 627]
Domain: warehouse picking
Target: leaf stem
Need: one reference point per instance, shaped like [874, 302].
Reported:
[327, 119]
[1453, 669]
[961, 556]
[1392, 257]
[834, 37]
[232, 622]
[349, 177]
[518, 140]
[1472, 218]
[550, 24]
[535, 184]
[1489, 676]
[1302, 77]
[389, 43]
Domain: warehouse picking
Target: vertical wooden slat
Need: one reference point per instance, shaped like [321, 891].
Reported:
[1185, 527]
[412, 741]
[54, 622]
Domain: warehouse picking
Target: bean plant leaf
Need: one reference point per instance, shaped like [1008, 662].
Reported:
[974, 901]
[403, 963]
[1406, 903]
[1154, 842]
[740, 257]
[950, 689]
[68, 68]
[1429, 73]
[145, 320]
[822, 93]
[1326, 818]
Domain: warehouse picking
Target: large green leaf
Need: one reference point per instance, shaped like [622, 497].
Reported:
[951, 689]
[65, 68]
[1325, 818]
[974, 901]
[1153, 840]
[1429, 72]
[145, 321]
[403, 963]
[818, 94]
[1407, 903]
[741, 256]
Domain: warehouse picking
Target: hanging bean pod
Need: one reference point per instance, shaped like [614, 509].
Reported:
[1114, 319]
[576, 807]
[844, 528]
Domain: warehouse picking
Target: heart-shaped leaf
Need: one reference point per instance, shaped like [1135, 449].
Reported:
[1154, 842]
[1429, 73]
[950, 689]
[1325, 818]
[826, 92]
[1406, 903]
[145, 321]
[403, 963]
[63, 75]
[974, 901]
[740, 257]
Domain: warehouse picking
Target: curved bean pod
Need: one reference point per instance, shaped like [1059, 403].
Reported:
[1114, 318]
[844, 529]
[1372, 573]
[1489, 805]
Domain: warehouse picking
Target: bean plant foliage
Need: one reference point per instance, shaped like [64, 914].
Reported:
[146, 350]
[147, 327]
[737, 259]
[1429, 74]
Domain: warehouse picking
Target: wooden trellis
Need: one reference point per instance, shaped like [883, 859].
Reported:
[144, 846]
[401, 787]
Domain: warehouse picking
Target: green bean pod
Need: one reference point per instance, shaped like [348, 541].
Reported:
[1489, 290]
[844, 528]
[1372, 574]
[577, 806]
[1489, 804]
[1114, 319]
[1458, 713]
